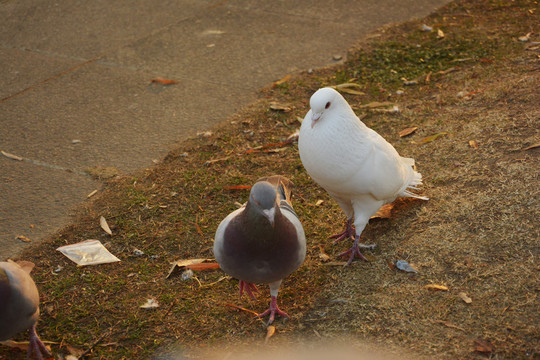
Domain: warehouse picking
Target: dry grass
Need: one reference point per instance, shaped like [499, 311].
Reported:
[478, 234]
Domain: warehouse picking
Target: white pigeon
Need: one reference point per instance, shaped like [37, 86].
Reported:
[357, 166]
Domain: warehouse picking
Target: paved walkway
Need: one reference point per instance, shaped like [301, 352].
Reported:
[75, 89]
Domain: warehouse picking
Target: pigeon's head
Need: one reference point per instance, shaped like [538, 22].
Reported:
[263, 198]
[322, 102]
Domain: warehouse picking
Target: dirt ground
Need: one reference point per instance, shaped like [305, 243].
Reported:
[469, 86]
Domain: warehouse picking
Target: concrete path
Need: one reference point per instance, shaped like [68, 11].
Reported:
[75, 88]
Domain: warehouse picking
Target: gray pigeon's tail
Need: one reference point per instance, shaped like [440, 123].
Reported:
[414, 183]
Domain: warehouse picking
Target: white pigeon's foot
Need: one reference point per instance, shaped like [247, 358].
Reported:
[355, 250]
[36, 346]
[249, 288]
[348, 233]
[273, 310]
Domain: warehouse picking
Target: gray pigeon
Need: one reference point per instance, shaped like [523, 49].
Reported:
[19, 305]
[263, 241]
[357, 166]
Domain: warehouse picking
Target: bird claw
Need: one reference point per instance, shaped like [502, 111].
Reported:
[249, 288]
[355, 250]
[36, 346]
[273, 310]
[347, 233]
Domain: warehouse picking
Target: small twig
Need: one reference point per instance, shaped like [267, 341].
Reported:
[215, 282]
[168, 310]
[107, 333]
[241, 308]
[450, 325]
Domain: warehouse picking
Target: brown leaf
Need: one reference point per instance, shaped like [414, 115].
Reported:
[434, 287]
[74, 351]
[237, 187]
[104, 225]
[284, 80]
[408, 131]
[24, 238]
[465, 298]
[432, 137]
[11, 156]
[349, 88]
[270, 331]
[323, 255]
[483, 346]
[534, 146]
[385, 212]
[376, 104]
[203, 266]
[280, 107]
[163, 81]
[473, 144]
[440, 34]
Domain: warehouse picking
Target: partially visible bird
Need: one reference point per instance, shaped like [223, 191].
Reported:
[19, 305]
[263, 241]
[354, 164]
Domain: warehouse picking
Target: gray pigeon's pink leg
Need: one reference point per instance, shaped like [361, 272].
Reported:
[36, 346]
[355, 250]
[348, 233]
[248, 287]
[273, 310]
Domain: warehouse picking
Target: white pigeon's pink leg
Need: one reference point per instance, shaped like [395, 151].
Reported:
[248, 287]
[348, 233]
[36, 346]
[355, 250]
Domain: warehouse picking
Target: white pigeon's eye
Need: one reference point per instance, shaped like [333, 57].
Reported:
[327, 105]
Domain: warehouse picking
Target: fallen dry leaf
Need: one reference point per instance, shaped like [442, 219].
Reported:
[270, 331]
[24, 238]
[319, 202]
[284, 80]
[385, 212]
[323, 255]
[203, 266]
[534, 146]
[11, 156]
[348, 88]
[434, 287]
[377, 104]
[473, 144]
[433, 137]
[150, 304]
[440, 34]
[465, 298]
[181, 265]
[408, 131]
[104, 225]
[525, 37]
[280, 107]
[483, 346]
[237, 187]
[163, 81]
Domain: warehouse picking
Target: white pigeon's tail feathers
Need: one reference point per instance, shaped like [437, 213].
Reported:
[414, 183]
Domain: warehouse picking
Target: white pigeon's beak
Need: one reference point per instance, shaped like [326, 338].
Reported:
[314, 118]
[270, 215]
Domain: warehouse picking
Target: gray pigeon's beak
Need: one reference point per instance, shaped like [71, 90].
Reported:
[270, 215]
[314, 118]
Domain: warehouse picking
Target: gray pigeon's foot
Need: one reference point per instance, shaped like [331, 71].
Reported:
[249, 288]
[36, 346]
[348, 233]
[273, 310]
[355, 250]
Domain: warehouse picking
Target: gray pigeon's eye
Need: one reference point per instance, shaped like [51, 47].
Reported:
[327, 105]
